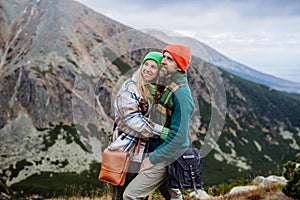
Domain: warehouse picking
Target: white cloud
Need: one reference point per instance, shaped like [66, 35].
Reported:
[263, 35]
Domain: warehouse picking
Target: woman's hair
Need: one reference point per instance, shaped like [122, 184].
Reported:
[142, 84]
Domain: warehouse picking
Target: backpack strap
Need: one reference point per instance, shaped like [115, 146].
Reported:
[193, 179]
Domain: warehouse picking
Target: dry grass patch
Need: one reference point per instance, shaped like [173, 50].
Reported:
[270, 192]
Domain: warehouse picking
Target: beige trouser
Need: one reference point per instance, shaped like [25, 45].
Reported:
[147, 181]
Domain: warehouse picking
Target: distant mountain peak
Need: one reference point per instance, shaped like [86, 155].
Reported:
[212, 56]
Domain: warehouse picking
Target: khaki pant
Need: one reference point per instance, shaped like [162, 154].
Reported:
[147, 181]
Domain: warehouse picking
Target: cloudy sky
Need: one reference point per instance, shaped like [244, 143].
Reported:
[261, 34]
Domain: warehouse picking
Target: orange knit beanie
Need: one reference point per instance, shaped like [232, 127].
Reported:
[180, 53]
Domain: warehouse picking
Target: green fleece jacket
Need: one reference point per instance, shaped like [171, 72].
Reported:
[178, 138]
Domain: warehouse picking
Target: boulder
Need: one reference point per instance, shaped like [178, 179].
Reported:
[201, 194]
[239, 189]
[272, 179]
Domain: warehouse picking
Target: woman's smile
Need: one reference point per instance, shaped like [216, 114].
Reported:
[150, 70]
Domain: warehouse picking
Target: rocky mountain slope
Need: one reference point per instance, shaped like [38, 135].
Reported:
[62, 63]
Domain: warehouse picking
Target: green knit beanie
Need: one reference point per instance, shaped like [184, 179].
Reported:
[156, 56]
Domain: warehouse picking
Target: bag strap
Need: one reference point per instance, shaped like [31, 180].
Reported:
[193, 179]
[138, 146]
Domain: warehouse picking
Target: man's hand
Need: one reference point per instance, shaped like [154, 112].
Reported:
[146, 164]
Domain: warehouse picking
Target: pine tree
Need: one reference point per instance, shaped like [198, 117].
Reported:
[292, 174]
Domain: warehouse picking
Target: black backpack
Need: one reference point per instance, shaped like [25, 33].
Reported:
[186, 171]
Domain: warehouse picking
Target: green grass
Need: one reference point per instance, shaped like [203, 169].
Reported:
[49, 184]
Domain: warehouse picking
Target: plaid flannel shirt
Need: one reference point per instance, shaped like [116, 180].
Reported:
[131, 119]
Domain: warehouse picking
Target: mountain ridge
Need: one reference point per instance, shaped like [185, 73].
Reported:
[211, 55]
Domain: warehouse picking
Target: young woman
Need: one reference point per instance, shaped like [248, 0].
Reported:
[131, 108]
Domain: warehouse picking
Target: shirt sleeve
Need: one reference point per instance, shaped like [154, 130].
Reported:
[130, 113]
[178, 138]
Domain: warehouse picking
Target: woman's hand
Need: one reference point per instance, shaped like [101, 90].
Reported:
[146, 164]
[165, 132]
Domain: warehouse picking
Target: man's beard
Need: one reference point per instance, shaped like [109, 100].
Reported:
[163, 73]
[163, 77]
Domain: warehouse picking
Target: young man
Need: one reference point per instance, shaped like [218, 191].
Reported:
[177, 105]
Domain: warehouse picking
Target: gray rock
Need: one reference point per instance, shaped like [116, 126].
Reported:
[239, 189]
[272, 179]
[201, 194]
